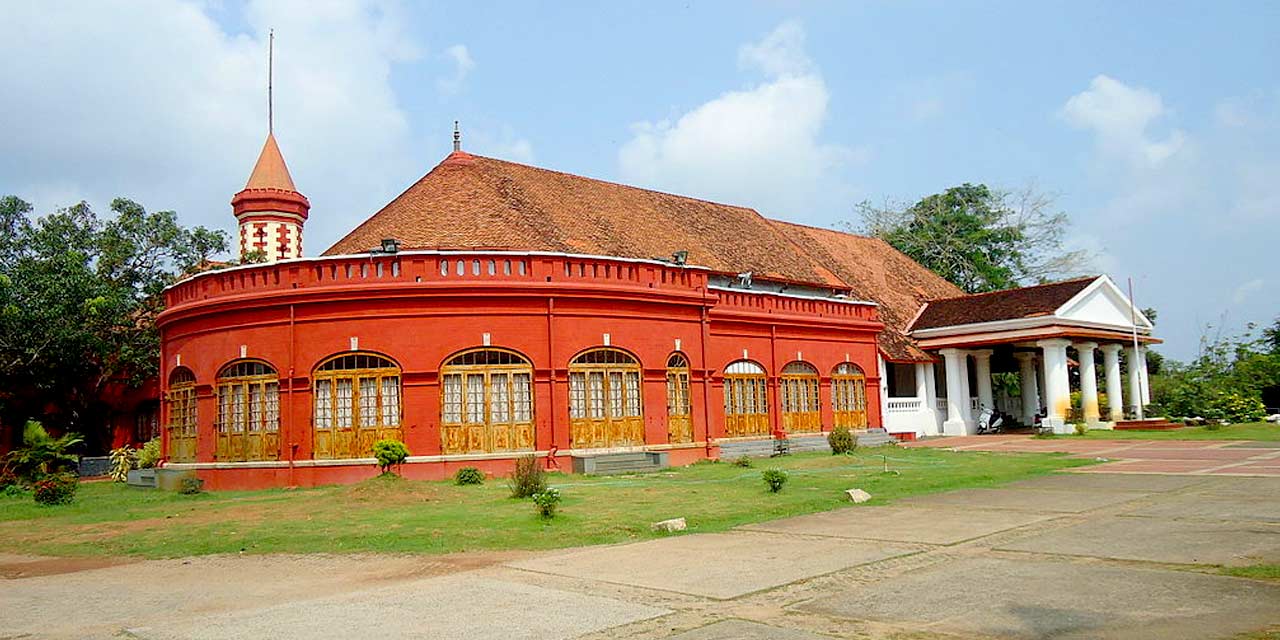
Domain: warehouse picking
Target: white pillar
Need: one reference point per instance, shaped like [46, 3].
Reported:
[1115, 399]
[931, 397]
[923, 419]
[957, 392]
[1088, 382]
[1135, 378]
[1041, 387]
[1029, 385]
[1056, 385]
[982, 370]
[1142, 372]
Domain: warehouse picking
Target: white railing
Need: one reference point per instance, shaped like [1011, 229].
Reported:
[940, 404]
[973, 405]
[905, 405]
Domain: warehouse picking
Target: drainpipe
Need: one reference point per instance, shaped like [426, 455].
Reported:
[551, 386]
[775, 394]
[293, 446]
[706, 379]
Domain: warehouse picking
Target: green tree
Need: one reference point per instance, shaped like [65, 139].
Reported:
[978, 238]
[78, 300]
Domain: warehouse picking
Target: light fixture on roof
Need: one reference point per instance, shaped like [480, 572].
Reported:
[390, 245]
[680, 257]
[744, 279]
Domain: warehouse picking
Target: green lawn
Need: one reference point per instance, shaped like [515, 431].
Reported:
[394, 515]
[1247, 431]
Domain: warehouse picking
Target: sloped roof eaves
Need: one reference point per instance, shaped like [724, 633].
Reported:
[995, 306]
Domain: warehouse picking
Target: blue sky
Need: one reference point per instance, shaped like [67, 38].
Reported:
[1157, 126]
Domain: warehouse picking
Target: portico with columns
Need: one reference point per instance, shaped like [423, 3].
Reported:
[1044, 337]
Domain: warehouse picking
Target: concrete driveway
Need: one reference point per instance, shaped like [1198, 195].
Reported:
[1066, 556]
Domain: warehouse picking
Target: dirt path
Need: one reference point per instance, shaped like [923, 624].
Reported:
[1069, 555]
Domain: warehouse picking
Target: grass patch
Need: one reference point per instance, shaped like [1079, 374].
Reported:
[391, 514]
[1254, 571]
[1248, 431]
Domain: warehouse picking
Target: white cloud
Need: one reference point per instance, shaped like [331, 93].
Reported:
[780, 53]
[173, 111]
[759, 146]
[1120, 117]
[1246, 290]
[462, 66]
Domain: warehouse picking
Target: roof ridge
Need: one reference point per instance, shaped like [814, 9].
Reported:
[1030, 286]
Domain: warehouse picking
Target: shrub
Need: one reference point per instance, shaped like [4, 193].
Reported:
[122, 462]
[149, 454]
[55, 488]
[774, 479]
[190, 486]
[842, 441]
[389, 454]
[743, 461]
[1081, 428]
[468, 475]
[1212, 426]
[546, 501]
[41, 454]
[527, 478]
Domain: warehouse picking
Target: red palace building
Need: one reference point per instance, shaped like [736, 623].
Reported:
[495, 309]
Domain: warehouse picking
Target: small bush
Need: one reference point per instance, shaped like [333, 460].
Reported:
[149, 455]
[389, 454]
[743, 461]
[13, 490]
[547, 501]
[468, 475]
[774, 479]
[527, 478]
[122, 462]
[842, 441]
[55, 488]
[190, 486]
[1081, 429]
[1212, 426]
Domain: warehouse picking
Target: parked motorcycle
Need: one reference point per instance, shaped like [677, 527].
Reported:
[989, 421]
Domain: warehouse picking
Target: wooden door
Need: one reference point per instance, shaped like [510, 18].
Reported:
[605, 401]
[849, 397]
[487, 403]
[679, 418]
[182, 426]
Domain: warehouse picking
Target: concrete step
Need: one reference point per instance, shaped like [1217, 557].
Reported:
[1150, 424]
[875, 438]
[614, 463]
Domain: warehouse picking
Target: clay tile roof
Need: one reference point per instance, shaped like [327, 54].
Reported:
[876, 271]
[270, 172]
[1010, 304]
[470, 201]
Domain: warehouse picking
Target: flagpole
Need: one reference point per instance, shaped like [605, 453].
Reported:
[1133, 315]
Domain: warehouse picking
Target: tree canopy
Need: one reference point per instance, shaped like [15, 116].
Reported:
[978, 238]
[78, 300]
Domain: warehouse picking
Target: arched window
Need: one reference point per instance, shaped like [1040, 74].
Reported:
[356, 403]
[746, 404]
[182, 415]
[248, 412]
[486, 402]
[605, 406]
[679, 419]
[849, 396]
[800, 410]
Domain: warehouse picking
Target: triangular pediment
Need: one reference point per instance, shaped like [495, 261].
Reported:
[1102, 303]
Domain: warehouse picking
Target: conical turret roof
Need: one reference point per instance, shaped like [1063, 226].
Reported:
[270, 172]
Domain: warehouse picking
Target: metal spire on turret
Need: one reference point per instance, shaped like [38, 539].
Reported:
[457, 137]
[271, 46]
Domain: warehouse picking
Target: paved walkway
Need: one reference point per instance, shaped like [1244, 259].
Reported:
[1095, 555]
[1195, 457]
